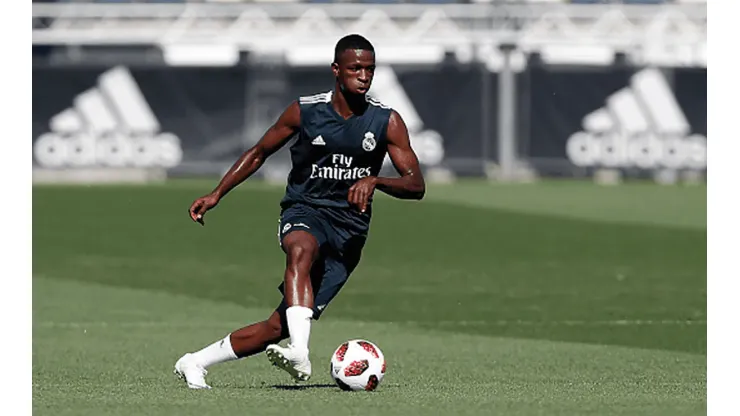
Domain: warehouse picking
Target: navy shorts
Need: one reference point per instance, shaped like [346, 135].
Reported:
[340, 248]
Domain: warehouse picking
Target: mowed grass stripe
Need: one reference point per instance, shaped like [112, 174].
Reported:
[434, 264]
[109, 371]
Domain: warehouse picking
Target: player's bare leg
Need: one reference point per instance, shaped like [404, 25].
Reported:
[301, 250]
[255, 338]
[241, 343]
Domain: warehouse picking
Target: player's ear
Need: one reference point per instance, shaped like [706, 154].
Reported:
[335, 68]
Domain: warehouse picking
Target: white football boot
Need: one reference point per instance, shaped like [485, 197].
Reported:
[295, 363]
[190, 371]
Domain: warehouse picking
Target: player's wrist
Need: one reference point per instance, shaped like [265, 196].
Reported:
[218, 193]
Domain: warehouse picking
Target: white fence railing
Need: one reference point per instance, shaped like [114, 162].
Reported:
[667, 34]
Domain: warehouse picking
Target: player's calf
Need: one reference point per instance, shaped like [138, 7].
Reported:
[242, 343]
[255, 338]
[302, 250]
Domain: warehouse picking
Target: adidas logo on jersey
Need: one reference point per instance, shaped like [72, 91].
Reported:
[108, 125]
[318, 141]
[641, 126]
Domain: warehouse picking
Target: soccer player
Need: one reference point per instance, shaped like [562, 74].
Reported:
[343, 136]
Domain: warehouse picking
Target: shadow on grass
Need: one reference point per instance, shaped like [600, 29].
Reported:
[303, 386]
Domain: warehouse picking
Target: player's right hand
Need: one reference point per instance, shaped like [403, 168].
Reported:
[201, 205]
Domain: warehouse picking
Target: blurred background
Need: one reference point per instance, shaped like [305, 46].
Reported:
[512, 90]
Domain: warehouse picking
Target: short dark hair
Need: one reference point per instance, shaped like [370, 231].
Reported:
[352, 42]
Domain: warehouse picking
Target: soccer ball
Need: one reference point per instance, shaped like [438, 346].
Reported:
[358, 365]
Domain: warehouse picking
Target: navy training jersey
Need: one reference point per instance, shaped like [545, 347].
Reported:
[331, 153]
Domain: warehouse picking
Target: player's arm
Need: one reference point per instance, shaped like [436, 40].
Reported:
[251, 160]
[410, 185]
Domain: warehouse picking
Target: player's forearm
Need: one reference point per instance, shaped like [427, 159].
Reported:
[405, 187]
[248, 163]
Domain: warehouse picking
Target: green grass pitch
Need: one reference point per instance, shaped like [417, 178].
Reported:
[556, 298]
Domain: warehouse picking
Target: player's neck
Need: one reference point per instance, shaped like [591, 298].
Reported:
[346, 104]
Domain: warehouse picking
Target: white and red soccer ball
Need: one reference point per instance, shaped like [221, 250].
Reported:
[358, 365]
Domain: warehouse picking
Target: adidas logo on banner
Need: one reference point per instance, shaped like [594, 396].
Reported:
[641, 126]
[319, 141]
[427, 143]
[108, 125]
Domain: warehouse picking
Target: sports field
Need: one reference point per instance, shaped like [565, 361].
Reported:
[557, 298]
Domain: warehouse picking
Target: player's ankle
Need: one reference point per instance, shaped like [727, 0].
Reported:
[299, 325]
[298, 351]
[218, 352]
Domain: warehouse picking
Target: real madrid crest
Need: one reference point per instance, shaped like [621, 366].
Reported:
[368, 143]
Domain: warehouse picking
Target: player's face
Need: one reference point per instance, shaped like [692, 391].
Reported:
[355, 70]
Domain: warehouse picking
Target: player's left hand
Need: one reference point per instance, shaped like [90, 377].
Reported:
[361, 191]
[201, 205]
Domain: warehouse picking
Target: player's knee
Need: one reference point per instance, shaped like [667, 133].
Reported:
[302, 252]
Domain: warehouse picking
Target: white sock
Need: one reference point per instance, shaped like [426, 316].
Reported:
[218, 352]
[299, 326]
